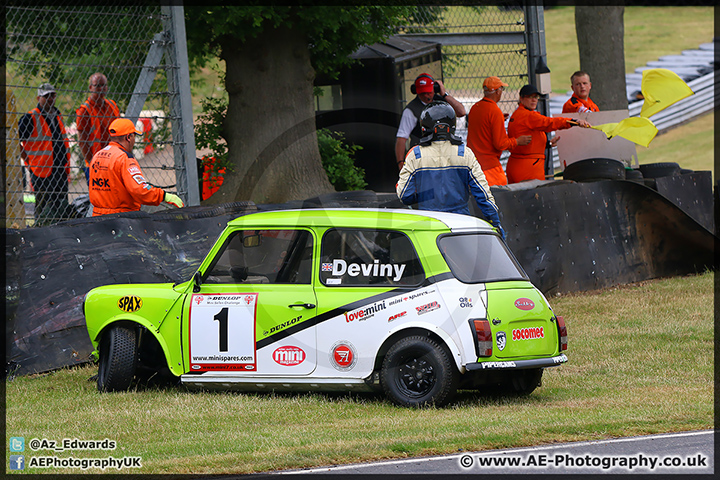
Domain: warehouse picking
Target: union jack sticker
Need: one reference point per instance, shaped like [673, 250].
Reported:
[327, 267]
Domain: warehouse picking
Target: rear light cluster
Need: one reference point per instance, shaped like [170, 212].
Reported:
[483, 336]
[562, 333]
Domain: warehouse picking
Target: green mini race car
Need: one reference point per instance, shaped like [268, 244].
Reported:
[413, 303]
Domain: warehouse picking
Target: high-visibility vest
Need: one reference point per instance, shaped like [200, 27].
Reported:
[39, 146]
[99, 121]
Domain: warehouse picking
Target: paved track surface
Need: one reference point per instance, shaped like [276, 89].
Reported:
[692, 452]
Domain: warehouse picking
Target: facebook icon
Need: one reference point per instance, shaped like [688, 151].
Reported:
[17, 462]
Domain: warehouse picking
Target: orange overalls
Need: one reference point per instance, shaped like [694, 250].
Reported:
[117, 183]
[527, 162]
[487, 139]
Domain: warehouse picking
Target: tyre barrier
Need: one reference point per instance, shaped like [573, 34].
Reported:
[593, 169]
[634, 175]
[657, 170]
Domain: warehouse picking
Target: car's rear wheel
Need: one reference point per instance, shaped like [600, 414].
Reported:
[417, 372]
[118, 359]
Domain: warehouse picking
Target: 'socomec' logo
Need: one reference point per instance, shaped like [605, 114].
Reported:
[289, 356]
[343, 356]
[528, 333]
[524, 304]
[130, 303]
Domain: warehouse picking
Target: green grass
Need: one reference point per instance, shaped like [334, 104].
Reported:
[650, 32]
[641, 362]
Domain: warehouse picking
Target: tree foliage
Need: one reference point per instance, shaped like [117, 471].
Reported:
[332, 33]
[272, 54]
[53, 42]
[338, 161]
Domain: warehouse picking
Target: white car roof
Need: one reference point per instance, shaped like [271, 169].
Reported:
[455, 221]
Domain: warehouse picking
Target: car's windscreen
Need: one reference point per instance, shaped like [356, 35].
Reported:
[264, 256]
[365, 257]
[479, 258]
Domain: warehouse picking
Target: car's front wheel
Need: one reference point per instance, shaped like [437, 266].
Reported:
[118, 359]
[417, 372]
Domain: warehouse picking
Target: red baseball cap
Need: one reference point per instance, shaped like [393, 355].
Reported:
[122, 126]
[424, 83]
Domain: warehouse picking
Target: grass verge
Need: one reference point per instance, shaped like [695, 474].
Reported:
[650, 32]
[641, 362]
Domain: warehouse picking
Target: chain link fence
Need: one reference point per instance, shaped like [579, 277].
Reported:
[66, 46]
[477, 42]
[69, 71]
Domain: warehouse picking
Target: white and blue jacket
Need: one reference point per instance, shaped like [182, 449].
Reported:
[441, 176]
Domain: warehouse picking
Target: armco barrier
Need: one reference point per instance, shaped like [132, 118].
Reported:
[568, 236]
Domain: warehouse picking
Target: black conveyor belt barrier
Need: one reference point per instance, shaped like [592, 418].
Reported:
[568, 236]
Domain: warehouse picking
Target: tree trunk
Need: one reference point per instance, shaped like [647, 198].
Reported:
[600, 33]
[270, 122]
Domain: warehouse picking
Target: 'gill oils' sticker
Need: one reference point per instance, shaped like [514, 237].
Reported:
[130, 303]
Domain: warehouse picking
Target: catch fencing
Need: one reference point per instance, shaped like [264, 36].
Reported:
[505, 41]
[140, 51]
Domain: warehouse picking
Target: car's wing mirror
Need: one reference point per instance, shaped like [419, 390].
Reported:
[250, 241]
[197, 281]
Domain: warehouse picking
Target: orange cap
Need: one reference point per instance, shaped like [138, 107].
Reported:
[493, 83]
[122, 126]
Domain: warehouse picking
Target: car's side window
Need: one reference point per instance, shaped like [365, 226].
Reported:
[264, 256]
[364, 257]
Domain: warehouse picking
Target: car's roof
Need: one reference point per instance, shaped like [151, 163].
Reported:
[363, 218]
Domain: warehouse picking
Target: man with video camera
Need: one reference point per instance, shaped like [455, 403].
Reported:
[426, 90]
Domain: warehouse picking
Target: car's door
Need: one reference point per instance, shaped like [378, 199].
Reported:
[364, 274]
[250, 315]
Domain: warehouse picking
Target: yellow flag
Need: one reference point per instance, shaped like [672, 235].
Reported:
[661, 88]
[638, 130]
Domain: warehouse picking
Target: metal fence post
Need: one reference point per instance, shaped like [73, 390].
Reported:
[535, 31]
[147, 75]
[182, 125]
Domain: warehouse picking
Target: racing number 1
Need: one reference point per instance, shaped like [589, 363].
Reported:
[229, 346]
[222, 318]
